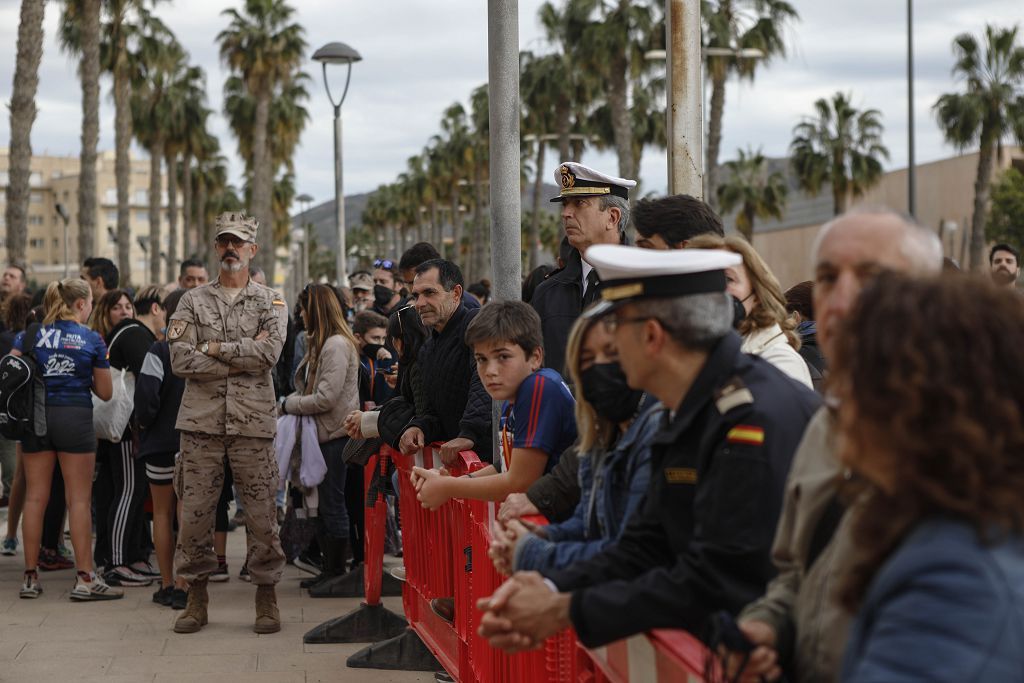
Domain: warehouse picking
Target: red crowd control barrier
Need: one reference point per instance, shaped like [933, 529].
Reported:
[446, 555]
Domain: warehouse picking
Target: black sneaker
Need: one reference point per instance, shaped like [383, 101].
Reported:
[244, 574]
[179, 598]
[162, 596]
[220, 574]
[123, 576]
[308, 564]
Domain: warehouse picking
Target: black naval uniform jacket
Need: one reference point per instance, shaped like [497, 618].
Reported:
[559, 302]
[702, 540]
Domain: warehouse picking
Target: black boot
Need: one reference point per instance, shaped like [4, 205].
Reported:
[322, 546]
[334, 550]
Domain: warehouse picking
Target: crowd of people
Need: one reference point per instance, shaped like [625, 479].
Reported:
[829, 470]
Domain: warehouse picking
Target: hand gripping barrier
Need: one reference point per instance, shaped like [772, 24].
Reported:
[445, 553]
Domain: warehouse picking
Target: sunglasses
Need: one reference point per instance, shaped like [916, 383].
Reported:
[384, 264]
[225, 242]
[401, 330]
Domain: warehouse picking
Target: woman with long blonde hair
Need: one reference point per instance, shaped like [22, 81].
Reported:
[768, 329]
[72, 360]
[327, 389]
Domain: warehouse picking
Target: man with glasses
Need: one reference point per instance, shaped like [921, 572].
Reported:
[225, 338]
[700, 543]
[387, 290]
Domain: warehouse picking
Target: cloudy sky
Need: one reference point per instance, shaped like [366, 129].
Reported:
[421, 55]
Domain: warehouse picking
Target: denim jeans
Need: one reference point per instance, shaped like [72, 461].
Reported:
[331, 510]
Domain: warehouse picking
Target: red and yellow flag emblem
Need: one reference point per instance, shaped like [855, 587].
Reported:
[747, 434]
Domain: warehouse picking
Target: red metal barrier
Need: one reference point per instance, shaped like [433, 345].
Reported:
[445, 554]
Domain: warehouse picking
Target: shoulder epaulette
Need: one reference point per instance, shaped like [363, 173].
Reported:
[732, 394]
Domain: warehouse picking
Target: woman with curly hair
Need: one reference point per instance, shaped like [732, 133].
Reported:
[768, 330]
[929, 383]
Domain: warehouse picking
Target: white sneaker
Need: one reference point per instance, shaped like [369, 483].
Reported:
[94, 588]
[30, 589]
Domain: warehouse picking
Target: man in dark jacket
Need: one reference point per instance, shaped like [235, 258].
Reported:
[595, 210]
[701, 541]
[458, 409]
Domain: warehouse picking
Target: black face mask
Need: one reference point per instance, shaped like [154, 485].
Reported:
[604, 387]
[739, 314]
[370, 350]
[382, 295]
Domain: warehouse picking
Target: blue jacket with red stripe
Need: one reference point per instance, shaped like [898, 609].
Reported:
[542, 417]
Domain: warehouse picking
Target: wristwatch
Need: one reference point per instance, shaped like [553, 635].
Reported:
[205, 347]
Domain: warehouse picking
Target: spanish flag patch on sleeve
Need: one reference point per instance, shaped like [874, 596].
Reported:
[747, 434]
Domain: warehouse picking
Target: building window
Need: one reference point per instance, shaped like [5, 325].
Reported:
[111, 216]
[110, 196]
[36, 198]
[142, 216]
[37, 243]
[36, 179]
[35, 220]
[5, 178]
[56, 243]
[141, 197]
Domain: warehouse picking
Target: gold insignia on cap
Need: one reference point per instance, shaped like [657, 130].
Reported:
[568, 179]
[176, 329]
[622, 291]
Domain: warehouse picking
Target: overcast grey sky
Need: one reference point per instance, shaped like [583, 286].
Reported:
[421, 55]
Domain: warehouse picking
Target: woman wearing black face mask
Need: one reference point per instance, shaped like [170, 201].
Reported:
[615, 425]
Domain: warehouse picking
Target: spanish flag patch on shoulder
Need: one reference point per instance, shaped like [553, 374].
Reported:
[747, 434]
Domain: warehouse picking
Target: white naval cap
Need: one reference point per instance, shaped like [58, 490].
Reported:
[577, 180]
[630, 273]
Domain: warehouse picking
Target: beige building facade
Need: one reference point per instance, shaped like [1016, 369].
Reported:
[945, 203]
[54, 180]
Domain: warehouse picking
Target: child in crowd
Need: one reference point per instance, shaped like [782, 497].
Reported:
[538, 421]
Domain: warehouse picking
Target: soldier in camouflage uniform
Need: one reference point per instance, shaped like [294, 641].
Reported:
[225, 338]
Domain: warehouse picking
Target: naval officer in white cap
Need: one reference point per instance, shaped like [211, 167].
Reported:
[595, 210]
[701, 542]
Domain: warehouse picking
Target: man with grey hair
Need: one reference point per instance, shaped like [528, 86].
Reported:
[595, 210]
[700, 543]
[798, 625]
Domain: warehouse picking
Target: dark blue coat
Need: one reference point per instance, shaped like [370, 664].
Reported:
[612, 491]
[943, 607]
[701, 543]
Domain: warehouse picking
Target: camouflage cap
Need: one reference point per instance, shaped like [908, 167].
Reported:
[238, 224]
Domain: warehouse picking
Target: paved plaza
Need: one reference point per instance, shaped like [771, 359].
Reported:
[131, 639]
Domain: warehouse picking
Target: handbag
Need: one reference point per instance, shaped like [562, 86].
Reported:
[110, 418]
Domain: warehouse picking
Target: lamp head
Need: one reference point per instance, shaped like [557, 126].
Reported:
[337, 53]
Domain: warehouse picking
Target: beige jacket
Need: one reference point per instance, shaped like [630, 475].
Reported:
[772, 345]
[232, 394]
[802, 607]
[334, 391]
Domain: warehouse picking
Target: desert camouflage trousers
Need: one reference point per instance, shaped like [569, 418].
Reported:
[199, 477]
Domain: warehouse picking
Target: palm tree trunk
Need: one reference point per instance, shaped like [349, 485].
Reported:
[89, 73]
[436, 230]
[263, 182]
[982, 183]
[538, 185]
[172, 218]
[122, 163]
[155, 182]
[23, 114]
[714, 138]
[748, 223]
[563, 129]
[188, 222]
[481, 242]
[203, 240]
[622, 127]
[456, 230]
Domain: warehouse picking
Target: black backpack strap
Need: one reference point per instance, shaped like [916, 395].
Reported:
[30, 333]
[824, 530]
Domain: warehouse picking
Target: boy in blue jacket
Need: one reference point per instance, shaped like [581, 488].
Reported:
[538, 421]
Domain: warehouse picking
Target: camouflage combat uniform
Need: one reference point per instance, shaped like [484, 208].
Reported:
[228, 410]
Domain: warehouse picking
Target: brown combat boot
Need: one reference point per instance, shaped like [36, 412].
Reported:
[268, 618]
[194, 616]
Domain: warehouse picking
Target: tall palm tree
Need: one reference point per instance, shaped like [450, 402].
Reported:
[264, 48]
[159, 62]
[540, 86]
[737, 24]
[990, 109]
[23, 114]
[480, 162]
[80, 36]
[754, 189]
[840, 145]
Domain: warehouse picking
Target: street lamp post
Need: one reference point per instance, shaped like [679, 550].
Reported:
[64, 216]
[911, 180]
[338, 53]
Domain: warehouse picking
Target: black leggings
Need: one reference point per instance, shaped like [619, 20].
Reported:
[53, 518]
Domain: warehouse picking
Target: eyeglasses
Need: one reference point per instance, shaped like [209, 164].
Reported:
[384, 264]
[611, 323]
[225, 242]
[399, 312]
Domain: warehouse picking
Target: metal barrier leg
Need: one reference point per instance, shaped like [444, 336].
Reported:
[371, 621]
[402, 653]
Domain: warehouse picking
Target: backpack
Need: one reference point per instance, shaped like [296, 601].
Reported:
[22, 393]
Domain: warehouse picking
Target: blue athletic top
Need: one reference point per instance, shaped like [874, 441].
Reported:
[542, 417]
[67, 352]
